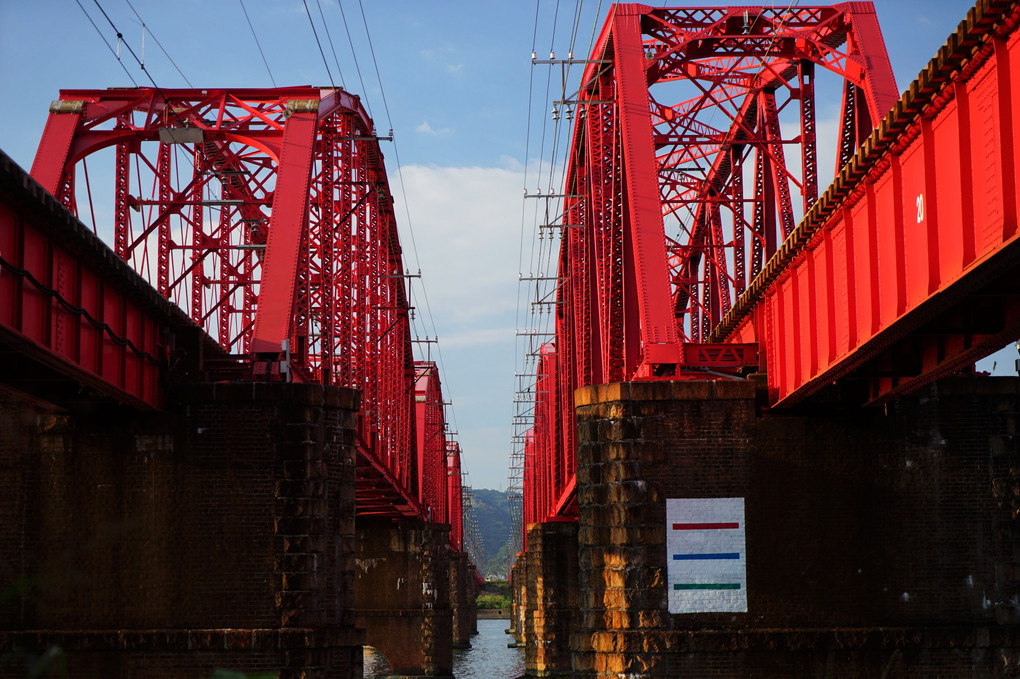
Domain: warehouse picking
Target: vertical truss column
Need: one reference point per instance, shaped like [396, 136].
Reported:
[121, 214]
[643, 222]
[287, 231]
[739, 223]
[163, 170]
[197, 256]
[808, 141]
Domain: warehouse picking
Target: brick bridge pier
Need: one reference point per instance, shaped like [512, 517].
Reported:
[878, 543]
[219, 534]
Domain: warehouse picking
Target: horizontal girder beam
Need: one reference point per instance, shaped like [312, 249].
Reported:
[71, 309]
[920, 225]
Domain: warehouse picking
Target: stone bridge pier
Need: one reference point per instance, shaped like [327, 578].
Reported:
[719, 539]
[403, 597]
[216, 535]
[463, 592]
[519, 605]
[550, 588]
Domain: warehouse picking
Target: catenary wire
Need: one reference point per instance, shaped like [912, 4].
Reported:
[527, 158]
[319, 44]
[257, 43]
[371, 50]
[158, 43]
[354, 53]
[332, 48]
[410, 229]
[107, 43]
[127, 45]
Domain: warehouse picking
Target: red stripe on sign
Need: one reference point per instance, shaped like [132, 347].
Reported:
[704, 526]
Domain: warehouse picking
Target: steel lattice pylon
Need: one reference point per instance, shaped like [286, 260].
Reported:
[266, 215]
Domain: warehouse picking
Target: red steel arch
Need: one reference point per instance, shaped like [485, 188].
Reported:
[265, 214]
[694, 154]
[455, 496]
[549, 458]
[433, 480]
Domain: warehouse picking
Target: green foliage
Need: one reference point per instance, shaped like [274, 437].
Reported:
[50, 663]
[496, 565]
[19, 588]
[500, 587]
[491, 510]
[492, 601]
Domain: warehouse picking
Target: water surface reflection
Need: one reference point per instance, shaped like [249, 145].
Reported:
[488, 657]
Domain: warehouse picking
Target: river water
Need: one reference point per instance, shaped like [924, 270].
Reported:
[488, 657]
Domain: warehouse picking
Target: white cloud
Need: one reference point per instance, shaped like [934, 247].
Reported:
[447, 54]
[433, 53]
[511, 163]
[466, 223]
[425, 128]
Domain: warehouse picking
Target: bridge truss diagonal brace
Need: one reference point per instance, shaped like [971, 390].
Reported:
[288, 228]
[50, 158]
[660, 341]
[880, 83]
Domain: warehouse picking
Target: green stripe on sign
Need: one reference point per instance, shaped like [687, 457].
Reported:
[723, 585]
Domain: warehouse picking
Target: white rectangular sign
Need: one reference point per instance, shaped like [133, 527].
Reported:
[706, 562]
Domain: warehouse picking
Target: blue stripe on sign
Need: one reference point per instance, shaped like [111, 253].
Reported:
[706, 557]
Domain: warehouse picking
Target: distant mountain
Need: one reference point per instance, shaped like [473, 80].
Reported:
[491, 510]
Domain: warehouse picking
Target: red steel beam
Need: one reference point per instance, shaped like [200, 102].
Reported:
[71, 312]
[432, 444]
[661, 230]
[266, 214]
[643, 240]
[288, 225]
[888, 279]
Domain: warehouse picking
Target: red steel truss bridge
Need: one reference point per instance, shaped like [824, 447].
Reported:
[697, 242]
[253, 238]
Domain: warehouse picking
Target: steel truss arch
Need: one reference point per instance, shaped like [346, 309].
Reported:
[714, 170]
[266, 215]
[694, 153]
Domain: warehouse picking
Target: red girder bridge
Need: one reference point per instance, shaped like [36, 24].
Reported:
[701, 262]
[255, 251]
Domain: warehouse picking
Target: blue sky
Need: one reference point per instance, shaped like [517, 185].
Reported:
[457, 79]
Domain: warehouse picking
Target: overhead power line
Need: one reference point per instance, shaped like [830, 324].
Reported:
[102, 37]
[371, 50]
[158, 43]
[321, 53]
[357, 66]
[403, 190]
[329, 37]
[120, 37]
[257, 43]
